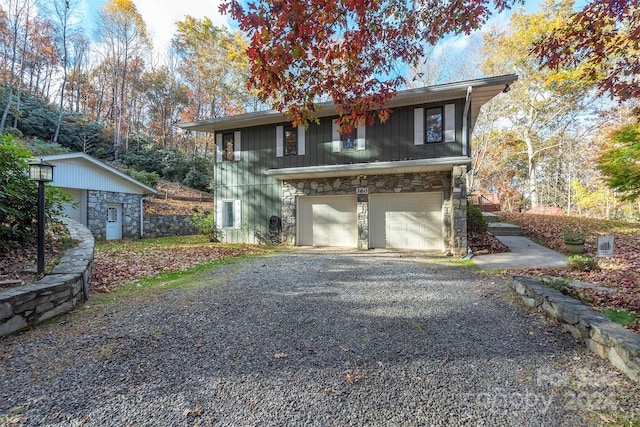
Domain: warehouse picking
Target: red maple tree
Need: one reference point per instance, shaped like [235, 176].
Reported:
[348, 51]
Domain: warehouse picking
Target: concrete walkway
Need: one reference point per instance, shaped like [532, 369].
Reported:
[524, 254]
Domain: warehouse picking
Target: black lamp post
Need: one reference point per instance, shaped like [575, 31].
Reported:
[42, 172]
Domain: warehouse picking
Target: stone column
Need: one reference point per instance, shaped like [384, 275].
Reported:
[363, 222]
[459, 208]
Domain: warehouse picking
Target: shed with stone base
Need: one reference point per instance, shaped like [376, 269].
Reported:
[108, 202]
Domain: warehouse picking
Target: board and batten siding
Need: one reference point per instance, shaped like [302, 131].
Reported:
[389, 141]
[244, 180]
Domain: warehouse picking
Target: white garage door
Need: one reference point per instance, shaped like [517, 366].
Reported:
[327, 221]
[406, 221]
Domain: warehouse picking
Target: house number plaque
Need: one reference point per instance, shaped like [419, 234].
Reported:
[362, 190]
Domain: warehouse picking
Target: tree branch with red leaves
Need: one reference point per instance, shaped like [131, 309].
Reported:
[347, 51]
[602, 44]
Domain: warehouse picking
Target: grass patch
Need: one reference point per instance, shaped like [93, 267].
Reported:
[453, 261]
[192, 278]
[538, 240]
[142, 244]
[623, 317]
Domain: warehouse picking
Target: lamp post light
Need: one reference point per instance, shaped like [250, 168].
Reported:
[42, 172]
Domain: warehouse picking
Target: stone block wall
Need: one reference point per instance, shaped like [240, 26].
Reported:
[156, 225]
[97, 213]
[57, 292]
[452, 187]
[604, 337]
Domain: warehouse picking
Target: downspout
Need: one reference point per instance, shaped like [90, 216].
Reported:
[142, 199]
[466, 144]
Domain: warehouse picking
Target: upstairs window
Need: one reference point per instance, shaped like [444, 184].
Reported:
[228, 146]
[348, 140]
[434, 125]
[355, 140]
[290, 141]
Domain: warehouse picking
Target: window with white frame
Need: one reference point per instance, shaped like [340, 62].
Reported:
[355, 140]
[228, 213]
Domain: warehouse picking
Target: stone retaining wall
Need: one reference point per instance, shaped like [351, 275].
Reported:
[156, 225]
[606, 338]
[57, 292]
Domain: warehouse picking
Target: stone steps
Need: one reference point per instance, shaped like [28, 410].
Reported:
[490, 217]
[497, 228]
[504, 229]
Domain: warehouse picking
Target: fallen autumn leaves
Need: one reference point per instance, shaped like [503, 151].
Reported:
[621, 272]
[125, 262]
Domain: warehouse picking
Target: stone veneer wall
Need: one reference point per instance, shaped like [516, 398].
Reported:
[97, 213]
[451, 185]
[54, 294]
[156, 225]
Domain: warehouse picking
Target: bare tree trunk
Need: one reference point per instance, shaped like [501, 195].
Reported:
[14, 48]
[531, 163]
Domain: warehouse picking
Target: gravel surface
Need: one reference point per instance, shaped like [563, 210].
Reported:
[311, 338]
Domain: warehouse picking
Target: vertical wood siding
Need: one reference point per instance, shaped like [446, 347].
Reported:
[261, 195]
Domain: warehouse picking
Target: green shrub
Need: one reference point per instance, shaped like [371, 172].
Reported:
[476, 222]
[19, 195]
[582, 263]
[147, 178]
[207, 225]
[198, 180]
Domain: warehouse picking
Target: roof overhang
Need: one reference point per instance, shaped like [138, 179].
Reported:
[483, 90]
[53, 158]
[374, 168]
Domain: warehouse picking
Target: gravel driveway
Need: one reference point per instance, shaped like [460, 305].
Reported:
[311, 338]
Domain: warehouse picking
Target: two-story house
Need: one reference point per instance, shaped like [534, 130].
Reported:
[398, 184]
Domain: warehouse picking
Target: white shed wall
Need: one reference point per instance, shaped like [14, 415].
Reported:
[77, 173]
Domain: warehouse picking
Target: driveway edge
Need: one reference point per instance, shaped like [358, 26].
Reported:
[601, 335]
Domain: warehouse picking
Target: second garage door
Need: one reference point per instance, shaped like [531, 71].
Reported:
[327, 221]
[406, 221]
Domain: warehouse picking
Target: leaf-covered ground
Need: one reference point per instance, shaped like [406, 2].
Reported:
[18, 265]
[621, 272]
[122, 262]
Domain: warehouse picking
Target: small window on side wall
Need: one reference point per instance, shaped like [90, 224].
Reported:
[290, 141]
[228, 146]
[228, 220]
[433, 122]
